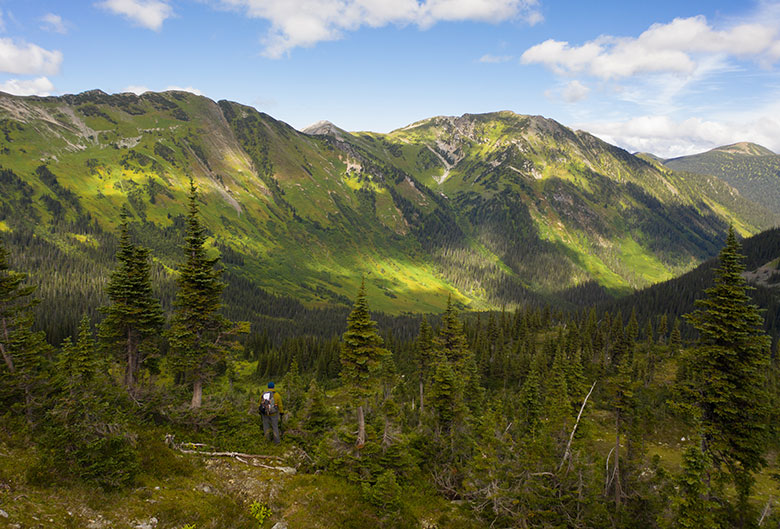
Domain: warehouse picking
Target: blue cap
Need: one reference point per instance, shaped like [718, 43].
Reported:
[270, 384]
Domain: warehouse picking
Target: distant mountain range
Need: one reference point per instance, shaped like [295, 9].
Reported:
[494, 209]
[752, 169]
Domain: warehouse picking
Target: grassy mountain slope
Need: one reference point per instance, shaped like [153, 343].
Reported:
[677, 296]
[559, 207]
[492, 209]
[275, 200]
[752, 169]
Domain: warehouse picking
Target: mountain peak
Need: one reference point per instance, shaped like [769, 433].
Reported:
[744, 148]
[324, 128]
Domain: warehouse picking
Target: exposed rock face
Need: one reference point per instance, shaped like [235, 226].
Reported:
[325, 128]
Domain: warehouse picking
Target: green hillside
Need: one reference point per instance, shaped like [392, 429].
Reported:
[496, 209]
[528, 416]
[752, 169]
[559, 207]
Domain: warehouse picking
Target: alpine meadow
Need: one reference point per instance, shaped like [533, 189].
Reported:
[210, 318]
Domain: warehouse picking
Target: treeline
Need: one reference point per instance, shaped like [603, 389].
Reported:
[677, 296]
[536, 417]
[545, 419]
[68, 398]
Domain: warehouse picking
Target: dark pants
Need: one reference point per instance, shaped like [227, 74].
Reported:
[271, 422]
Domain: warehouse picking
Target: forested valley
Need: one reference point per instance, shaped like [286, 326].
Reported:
[654, 410]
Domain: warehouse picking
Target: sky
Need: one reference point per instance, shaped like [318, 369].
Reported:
[667, 77]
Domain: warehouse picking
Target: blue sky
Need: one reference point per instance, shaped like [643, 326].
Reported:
[667, 77]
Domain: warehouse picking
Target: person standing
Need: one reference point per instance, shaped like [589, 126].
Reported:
[271, 410]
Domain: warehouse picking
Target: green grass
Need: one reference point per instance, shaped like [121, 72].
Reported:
[315, 233]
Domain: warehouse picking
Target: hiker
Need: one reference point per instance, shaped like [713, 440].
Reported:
[271, 410]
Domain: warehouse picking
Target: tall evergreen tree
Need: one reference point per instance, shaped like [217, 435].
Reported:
[557, 403]
[423, 352]
[446, 397]
[199, 336]
[730, 362]
[662, 329]
[25, 352]
[452, 343]
[362, 358]
[134, 316]
[530, 399]
[675, 338]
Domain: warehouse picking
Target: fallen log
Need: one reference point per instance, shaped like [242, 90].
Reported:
[226, 454]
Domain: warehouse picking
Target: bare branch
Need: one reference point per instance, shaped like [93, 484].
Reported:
[766, 511]
[567, 453]
[226, 454]
[606, 472]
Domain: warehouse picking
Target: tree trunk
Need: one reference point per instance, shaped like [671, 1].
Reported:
[421, 398]
[618, 488]
[131, 366]
[6, 355]
[361, 438]
[197, 393]
[28, 404]
[386, 434]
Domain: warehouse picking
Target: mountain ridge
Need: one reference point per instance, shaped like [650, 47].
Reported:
[494, 209]
[750, 168]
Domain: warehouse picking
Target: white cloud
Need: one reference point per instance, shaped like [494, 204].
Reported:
[140, 89]
[296, 23]
[146, 13]
[28, 59]
[52, 22]
[574, 91]
[676, 47]
[667, 137]
[495, 59]
[185, 89]
[570, 92]
[40, 87]
[136, 89]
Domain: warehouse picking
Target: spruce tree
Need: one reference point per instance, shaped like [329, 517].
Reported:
[316, 416]
[675, 338]
[294, 389]
[446, 396]
[85, 430]
[662, 329]
[199, 336]
[452, 343]
[530, 399]
[78, 364]
[25, 352]
[454, 388]
[731, 360]
[362, 358]
[692, 507]
[134, 317]
[423, 352]
[557, 403]
[622, 387]
[632, 328]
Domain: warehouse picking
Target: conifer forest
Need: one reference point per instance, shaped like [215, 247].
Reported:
[536, 417]
[582, 339]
